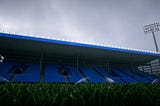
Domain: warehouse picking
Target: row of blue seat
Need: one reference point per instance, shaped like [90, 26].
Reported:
[94, 75]
[4, 68]
[32, 74]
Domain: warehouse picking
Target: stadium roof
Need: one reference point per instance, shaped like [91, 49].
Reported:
[12, 45]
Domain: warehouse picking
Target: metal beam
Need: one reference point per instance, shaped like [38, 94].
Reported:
[42, 69]
[155, 42]
[77, 65]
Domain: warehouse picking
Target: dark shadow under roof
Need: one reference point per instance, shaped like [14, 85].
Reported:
[26, 46]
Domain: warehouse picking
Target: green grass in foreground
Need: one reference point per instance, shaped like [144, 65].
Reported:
[83, 94]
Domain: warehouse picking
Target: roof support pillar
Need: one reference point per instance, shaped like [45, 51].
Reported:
[133, 68]
[143, 68]
[41, 60]
[108, 65]
[42, 68]
[77, 65]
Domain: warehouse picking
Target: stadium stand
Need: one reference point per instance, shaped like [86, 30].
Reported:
[34, 59]
[16, 72]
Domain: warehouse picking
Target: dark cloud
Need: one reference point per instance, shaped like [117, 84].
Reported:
[113, 22]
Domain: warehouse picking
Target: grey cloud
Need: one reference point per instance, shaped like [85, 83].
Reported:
[113, 22]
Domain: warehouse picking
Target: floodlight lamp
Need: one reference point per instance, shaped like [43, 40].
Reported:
[155, 27]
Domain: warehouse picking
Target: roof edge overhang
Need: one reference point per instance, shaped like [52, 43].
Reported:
[140, 55]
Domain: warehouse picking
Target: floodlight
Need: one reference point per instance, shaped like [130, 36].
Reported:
[151, 28]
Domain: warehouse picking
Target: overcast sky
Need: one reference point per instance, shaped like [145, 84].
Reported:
[111, 22]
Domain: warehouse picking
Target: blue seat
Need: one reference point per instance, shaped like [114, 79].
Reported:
[32, 74]
[125, 77]
[75, 75]
[4, 68]
[105, 74]
[51, 74]
[136, 76]
[92, 75]
[146, 75]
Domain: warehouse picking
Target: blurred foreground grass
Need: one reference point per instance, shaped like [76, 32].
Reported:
[82, 94]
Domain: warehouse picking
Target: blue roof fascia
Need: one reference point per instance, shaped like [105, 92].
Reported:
[76, 44]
